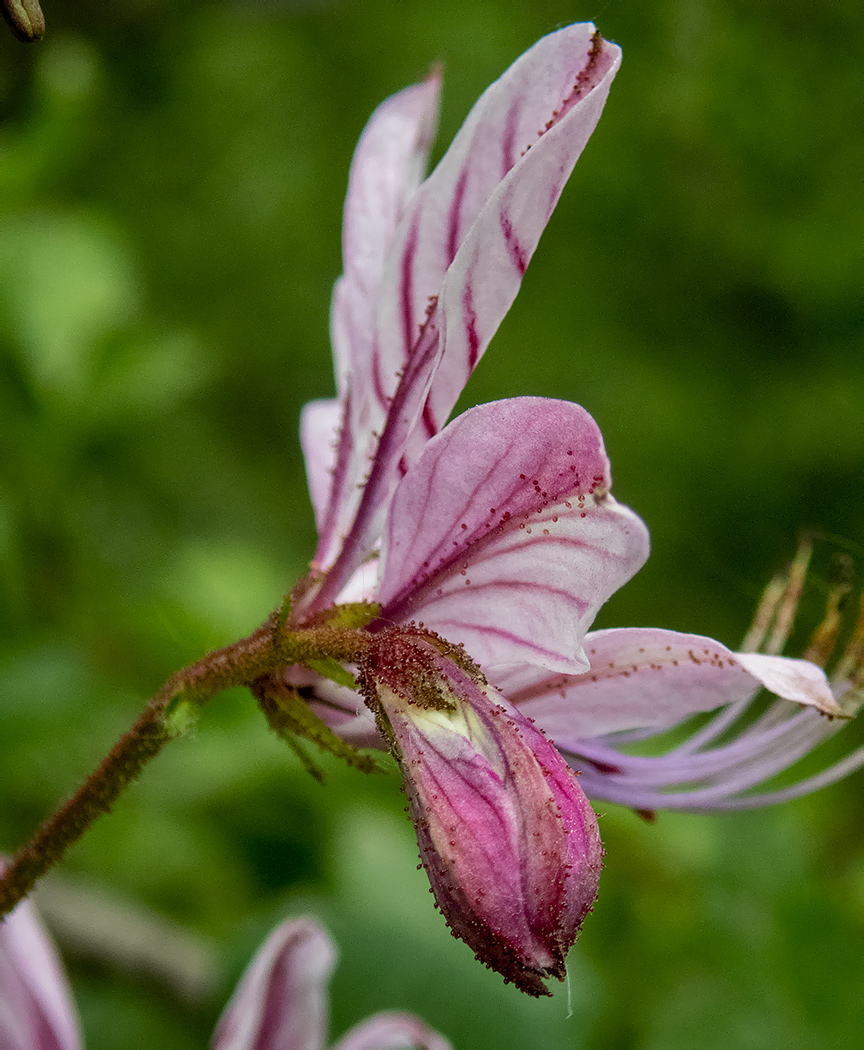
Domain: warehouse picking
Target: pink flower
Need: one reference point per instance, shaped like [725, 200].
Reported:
[36, 1009]
[281, 1002]
[520, 589]
[498, 532]
[431, 268]
[518, 491]
[502, 535]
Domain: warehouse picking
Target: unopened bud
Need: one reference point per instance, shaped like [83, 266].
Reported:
[507, 837]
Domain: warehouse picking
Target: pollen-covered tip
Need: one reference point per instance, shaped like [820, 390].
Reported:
[507, 837]
[25, 19]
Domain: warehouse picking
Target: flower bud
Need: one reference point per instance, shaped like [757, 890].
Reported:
[507, 837]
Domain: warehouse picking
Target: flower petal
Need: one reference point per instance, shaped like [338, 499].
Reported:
[502, 537]
[386, 170]
[36, 1008]
[392, 1031]
[319, 438]
[647, 677]
[474, 224]
[281, 1000]
[533, 124]
[456, 264]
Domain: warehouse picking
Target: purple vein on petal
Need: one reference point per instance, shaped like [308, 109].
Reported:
[479, 630]
[469, 318]
[517, 253]
[418, 593]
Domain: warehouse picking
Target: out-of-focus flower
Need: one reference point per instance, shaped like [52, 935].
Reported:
[36, 1009]
[281, 1002]
[506, 835]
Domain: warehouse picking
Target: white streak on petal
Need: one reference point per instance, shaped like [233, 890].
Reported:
[319, 434]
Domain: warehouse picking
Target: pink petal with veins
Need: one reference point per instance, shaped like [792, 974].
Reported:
[281, 1002]
[386, 171]
[463, 244]
[503, 538]
[388, 164]
[648, 677]
[483, 209]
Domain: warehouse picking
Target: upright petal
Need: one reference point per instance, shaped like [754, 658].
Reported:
[507, 838]
[474, 224]
[36, 1009]
[503, 536]
[392, 1031]
[388, 164]
[457, 261]
[386, 171]
[281, 1000]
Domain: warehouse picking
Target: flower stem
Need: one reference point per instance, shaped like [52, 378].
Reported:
[126, 760]
[267, 651]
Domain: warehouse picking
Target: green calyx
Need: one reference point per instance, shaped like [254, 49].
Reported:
[291, 718]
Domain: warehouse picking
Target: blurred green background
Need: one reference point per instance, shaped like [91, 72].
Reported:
[171, 184]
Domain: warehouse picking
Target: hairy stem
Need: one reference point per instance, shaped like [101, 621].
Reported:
[265, 652]
[126, 760]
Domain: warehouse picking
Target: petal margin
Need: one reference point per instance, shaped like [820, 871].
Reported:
[319, 438]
